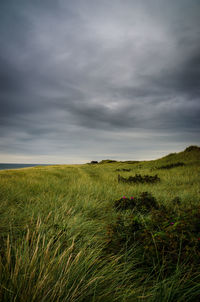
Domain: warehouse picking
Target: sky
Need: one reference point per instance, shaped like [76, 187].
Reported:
[84, 80]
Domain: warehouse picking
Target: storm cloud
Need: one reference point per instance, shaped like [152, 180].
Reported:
[83, 80]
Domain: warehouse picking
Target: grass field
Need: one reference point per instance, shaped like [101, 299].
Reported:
[74, 233]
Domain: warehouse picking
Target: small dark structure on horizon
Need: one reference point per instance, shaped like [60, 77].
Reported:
[94, 162]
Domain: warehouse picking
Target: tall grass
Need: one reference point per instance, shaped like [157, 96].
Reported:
[53, 233]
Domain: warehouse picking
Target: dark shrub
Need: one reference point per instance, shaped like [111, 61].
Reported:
[170, 166]
[107, 161]
[176, 200]
[124, 231]
[125, 170]
[162, 235]
[192, 148]
[144, 203]
[139, 179]
[125, 204]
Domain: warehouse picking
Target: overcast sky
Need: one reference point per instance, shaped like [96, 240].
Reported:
[95, 79]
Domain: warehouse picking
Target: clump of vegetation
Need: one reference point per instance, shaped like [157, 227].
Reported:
[173, 165]
[163, 235]
[176, 200]
[107, 161]
[145, 202]
[123, 170]
[192, 148]
[94, 162]
[138, 178]
[174, 237]
[125, 203]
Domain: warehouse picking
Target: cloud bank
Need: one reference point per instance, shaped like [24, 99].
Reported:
[84, 80]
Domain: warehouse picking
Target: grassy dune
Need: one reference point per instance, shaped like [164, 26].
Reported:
[63, 239]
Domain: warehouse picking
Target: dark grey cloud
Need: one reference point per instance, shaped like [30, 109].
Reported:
[79, 75]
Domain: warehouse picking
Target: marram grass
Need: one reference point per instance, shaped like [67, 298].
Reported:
[61, 238]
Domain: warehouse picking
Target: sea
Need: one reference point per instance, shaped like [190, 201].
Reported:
[19, 166]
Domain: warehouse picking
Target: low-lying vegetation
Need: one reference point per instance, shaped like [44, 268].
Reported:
[164, 236]
[192, 149]
[139, 179]
[107, 161]
[123, 170]
[73, 233]
[93, 162]
[170, 166]
[145, 202]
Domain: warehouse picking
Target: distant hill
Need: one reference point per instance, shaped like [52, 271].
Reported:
[191, 153]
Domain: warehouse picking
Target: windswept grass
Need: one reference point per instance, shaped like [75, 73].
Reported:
[63, 239]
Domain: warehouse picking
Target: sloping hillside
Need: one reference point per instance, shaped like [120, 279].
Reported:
[190, 154]
[115, 231]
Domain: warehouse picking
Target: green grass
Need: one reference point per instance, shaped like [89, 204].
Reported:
[62, 239]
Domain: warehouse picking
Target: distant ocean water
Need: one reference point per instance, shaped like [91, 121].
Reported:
[18, 166]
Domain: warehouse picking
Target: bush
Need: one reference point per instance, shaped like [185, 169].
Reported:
[107, 161]
[125, 170]
[139, 179]
[162, 235]
[192, 148]
[170, 166]
[144, 203]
